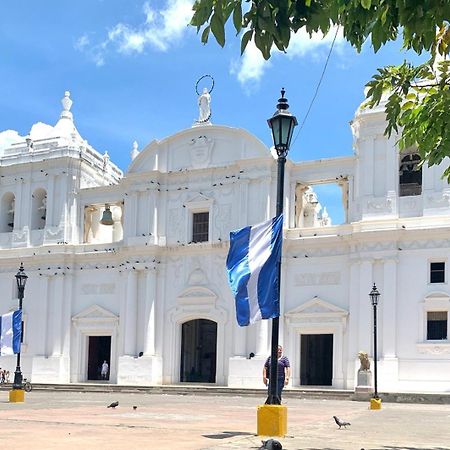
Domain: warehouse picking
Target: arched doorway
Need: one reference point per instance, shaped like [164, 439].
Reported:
[198, 351]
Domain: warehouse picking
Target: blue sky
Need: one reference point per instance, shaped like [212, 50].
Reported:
[131, 67]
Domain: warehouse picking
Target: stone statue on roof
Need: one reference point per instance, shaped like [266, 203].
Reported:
[204, 105]
[204, 101]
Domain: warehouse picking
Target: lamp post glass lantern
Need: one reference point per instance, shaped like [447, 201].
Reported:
[374, 298]
[282, 124]
[21, 279]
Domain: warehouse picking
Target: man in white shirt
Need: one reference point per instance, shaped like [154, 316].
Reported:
[104, 371]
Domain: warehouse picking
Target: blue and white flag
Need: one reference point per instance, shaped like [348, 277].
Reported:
[252, 265]
[10, 332]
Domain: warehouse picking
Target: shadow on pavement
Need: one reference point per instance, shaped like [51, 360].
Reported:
[227, 434]
[391, 447]
[385, 447]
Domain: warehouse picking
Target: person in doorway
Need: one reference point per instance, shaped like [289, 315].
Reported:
[283, 371]
[104, 371]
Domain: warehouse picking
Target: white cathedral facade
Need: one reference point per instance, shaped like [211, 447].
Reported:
[144, 286]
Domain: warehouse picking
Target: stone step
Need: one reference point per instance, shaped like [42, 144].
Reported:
[202, 389]
[188, 389]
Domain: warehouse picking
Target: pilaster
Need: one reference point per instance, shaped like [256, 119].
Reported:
[389, 309]
[149, 313]
[364, 317]
[131, 314]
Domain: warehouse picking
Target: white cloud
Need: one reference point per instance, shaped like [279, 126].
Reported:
[317, 46]
[252, 65]
[82, 42]
[160, 30]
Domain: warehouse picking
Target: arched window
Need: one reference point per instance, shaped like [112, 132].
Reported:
[410, 175]
[8, 206]
[38, 209]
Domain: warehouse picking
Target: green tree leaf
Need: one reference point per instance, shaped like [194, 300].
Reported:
[218, 29]
[245, 40]
[237, 17]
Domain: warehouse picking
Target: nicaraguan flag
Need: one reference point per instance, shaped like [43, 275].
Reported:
[252, 266]
[10, 332]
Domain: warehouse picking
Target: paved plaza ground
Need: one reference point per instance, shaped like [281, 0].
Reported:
[80, 420]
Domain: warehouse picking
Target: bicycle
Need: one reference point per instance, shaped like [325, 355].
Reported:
[27, 385]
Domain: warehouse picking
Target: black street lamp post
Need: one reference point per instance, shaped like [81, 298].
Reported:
[374, 297]
[282, 124]
[21, 279]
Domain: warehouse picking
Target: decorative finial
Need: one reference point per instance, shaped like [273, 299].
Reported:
[204, 101]
[282, 102]
[66, 101]
[134, 151]
[30, 143]
[66, 104]
[105, 158]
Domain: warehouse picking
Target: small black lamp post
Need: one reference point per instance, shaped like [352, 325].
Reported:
[282, 124]
[21, 279]
[374, 297]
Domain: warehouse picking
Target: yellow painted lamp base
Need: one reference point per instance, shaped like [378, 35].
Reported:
[272, 420]
[17, 396]
[375, 403]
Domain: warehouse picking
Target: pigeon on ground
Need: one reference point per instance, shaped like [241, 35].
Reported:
[340, 422]
[135, 408]
[271, 444]
[113, 405]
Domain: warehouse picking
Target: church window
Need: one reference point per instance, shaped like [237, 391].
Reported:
[410, 174]
[38, 209]
[437, 325]
[200, 227]
[8, 207]
[437, 272]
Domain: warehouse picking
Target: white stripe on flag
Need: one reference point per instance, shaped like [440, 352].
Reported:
[259, 250]
[6, 335]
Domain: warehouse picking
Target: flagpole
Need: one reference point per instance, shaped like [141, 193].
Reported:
[16, 395]
[282, 124]
[273, 398]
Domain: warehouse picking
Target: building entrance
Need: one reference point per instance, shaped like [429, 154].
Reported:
[99, 351]
[198, 351]
[316, 361]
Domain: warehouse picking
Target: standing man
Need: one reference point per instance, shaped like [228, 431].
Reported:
[104, 371]
[283, 371]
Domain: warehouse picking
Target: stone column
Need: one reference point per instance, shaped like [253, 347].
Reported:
[20, 218]
[117, 231]
[262, 334]
[366, 170]
[55, 313]
[130, 216]
[149, 313]
[62, 209]
[151, 226]
[388, 304]
[67, 314]
[290, 220]
[344, 185]
[353, 330]
[243, 203]
[131, 314]
[392, 167]
[240, 340]
[49, 219]
[365, 325]
[43, 306]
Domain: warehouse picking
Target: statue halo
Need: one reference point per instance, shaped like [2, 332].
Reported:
[200, 79]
